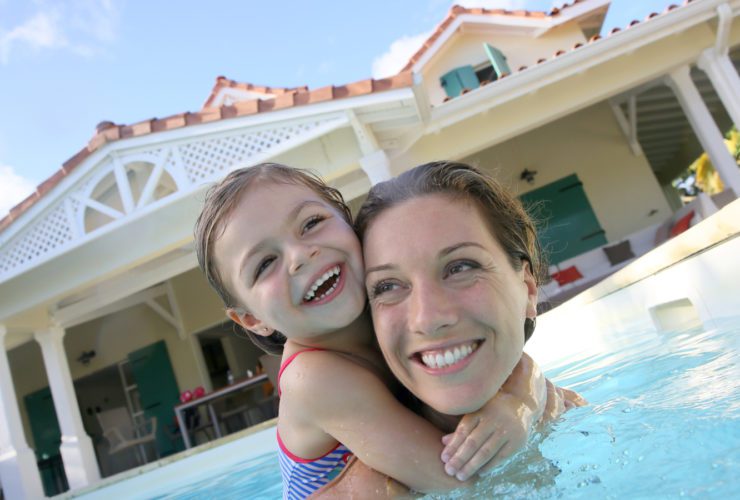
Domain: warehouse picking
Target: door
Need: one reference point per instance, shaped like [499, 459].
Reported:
[47, 437]
[158, 391]
[567, 225]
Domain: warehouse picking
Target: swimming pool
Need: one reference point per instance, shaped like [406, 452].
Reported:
[663, 421]
[664, 413]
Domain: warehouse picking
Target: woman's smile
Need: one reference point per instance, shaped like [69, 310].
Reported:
[447, 360]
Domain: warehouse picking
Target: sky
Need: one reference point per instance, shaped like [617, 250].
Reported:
[66, 65]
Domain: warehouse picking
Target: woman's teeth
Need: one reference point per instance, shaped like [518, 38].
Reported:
[321, 283]
[442, 359]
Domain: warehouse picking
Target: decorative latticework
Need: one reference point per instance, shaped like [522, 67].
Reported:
[204, 160]
[49, 233]
[186, 164]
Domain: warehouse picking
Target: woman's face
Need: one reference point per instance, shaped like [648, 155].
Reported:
[447, 305]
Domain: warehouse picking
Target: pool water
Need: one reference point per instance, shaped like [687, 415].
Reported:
[663, 422]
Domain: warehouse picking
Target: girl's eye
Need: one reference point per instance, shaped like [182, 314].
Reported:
[262, 266]
[460, 266]
[312, 222]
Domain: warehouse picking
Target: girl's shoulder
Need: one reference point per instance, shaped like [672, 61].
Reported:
[315, 380]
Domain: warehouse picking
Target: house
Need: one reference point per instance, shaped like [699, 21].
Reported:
[97, 267]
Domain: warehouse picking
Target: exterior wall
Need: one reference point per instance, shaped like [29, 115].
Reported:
[112, 337]
[331, 155]
[590, 144]
[200, 306]
[520, 50]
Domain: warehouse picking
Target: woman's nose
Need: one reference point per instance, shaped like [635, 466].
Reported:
[300, 255]
[431, 309]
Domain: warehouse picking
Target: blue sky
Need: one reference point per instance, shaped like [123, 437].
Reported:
[66, 65]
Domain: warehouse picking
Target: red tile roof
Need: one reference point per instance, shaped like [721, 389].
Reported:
[557, 53]
[107, 131]
[457, 10]
[284, 98]
[223, 82]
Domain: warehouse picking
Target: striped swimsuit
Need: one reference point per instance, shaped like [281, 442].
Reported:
[302, 476]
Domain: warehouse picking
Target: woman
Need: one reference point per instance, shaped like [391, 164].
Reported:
[452, 265]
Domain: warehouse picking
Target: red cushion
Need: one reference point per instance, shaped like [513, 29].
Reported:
[682, 224]
[567, 275]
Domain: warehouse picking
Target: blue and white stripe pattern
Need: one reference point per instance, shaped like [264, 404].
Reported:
[302, 477]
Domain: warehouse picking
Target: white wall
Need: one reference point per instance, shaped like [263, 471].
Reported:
[620, 186]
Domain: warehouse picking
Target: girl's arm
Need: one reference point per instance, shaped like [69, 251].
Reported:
[529, 397]
[351, 404]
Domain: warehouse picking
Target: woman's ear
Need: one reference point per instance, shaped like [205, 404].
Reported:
[531, 284]
[248, 322]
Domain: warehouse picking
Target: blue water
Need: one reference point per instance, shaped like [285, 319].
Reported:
[663, 422]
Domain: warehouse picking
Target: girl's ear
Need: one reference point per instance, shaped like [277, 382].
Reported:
[249, 322]
[531, 284]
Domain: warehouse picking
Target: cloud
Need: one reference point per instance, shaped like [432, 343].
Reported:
[13, 189]
[398, 55]
[81, 27]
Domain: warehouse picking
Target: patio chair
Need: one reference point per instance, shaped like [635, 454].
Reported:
[122, 435]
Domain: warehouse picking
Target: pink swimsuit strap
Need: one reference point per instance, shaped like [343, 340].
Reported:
[288, 361]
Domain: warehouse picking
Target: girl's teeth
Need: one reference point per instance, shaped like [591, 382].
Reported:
[448, 357]
[320, 281]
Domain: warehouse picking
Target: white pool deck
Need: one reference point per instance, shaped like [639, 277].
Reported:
[688, 281]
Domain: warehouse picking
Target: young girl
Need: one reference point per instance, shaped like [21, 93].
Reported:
[277, 245]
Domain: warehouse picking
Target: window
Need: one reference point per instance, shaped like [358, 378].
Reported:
[469, 78]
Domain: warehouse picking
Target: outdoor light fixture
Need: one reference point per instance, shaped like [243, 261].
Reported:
[86, 356]
[528, 175]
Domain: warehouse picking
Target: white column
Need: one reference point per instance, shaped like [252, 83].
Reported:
[724, 78]
[377, 166]
[704, 127]
[18, 470]
[76, 448]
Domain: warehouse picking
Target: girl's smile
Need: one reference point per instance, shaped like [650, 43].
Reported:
[294, 264]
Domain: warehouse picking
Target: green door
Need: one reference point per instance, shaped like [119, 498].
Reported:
[567, 223]
[46, 436]
[158, 391]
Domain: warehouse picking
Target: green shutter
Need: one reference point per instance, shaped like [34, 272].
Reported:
[458, 79]
[498, 60]
[569, 226]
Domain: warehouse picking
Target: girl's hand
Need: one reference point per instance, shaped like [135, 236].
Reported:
[487, 437]
[484, 439]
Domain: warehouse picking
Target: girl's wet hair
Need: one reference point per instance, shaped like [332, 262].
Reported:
[507, 219]
[220, 202]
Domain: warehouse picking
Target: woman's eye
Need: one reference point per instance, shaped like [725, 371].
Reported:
[382, 287]
[312, 222]
[262, 266]
[461, 266]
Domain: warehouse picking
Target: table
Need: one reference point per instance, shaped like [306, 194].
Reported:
[208, 399]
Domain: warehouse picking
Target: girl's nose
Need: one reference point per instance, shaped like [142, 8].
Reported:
[300, 255]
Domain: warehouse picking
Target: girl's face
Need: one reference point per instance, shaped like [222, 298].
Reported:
[447, 305]
[292, 261]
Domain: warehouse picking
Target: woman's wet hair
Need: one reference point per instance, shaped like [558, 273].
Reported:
[507, 219]
[221, 201]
